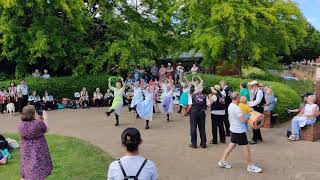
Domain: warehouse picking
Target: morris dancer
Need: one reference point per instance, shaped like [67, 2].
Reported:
[183, 101]
[166, 105]
[145, 108]
[137, 96]
[117, 103]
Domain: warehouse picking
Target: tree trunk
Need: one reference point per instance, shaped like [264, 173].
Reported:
[240, 67]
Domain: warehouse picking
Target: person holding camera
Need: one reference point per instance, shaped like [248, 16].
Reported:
[35, 162]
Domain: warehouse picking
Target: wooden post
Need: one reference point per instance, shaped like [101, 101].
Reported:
[318, 85]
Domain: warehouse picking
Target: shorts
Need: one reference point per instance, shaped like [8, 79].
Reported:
[239, 138]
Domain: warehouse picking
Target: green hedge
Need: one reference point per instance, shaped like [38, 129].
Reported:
[64, 86]
[287, 97]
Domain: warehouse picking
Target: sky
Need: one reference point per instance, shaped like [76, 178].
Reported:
[311, 10]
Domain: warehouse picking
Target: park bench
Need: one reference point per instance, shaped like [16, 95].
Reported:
[269, 120]
[311, 132]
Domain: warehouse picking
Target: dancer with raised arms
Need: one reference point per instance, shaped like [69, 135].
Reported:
[117, 103]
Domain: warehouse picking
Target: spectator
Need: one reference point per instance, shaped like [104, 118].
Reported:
[48, 101]
[305, 117]
[98, 98]
[178, 71]
[22, 90]
[35, 162]
[84, 98]
[136, 74]
[132, 165]
[244, 91]
[12, 92]
[154, 72]
[45, 74]
[162, 73]
[270, 100]
[36, 73]
[194, 69]
[34, 100]
[305, 99]
[169, 71]
[226, 92]
[108, 97]
[3, 99]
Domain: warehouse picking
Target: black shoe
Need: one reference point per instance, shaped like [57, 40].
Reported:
[147, 127]
[108, 113]
[223, 142]
[130, 109]
[213, 142]
[203, 146]
[117, 124]
[192, 146]
[179, 111]
[253, 142]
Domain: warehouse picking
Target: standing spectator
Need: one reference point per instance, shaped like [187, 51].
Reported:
[244, 91]
[136, 74]
[238, 136]
[36, 73]
[12, 92]
[22, 90]
[218, 114]
[162, 73]
[154, 72]
[98, 98]
[194, 69]
[3, 99]
[257, 103]
[270, 103]
[34, 100]
[45, 74]
[226, 92]
[35, 162]
[132, 165]
[169, 71]
[177, 74]
[48, 101]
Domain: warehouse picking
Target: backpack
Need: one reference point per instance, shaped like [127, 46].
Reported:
[132, 177]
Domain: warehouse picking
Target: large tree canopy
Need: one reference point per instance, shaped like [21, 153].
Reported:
[247, 32]
[83, 36]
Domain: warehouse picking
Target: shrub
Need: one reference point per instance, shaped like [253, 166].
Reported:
[61, 87]
[287, 97]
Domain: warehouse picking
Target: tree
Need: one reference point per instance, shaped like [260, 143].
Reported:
[247, 32]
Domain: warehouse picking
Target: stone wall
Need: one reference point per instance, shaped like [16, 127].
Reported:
[304, 72]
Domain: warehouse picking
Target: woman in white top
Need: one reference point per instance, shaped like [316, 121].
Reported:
[194, 69]
[132, 165]
[48, 101]
[117, 102]
[166, 105]
[305, 117]
[137, 96]
[12, 92]
[98, 98]
[84, 98]
[145, 107]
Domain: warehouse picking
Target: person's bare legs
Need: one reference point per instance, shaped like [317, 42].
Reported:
[227, 151]
[4, 160]
[246, 154]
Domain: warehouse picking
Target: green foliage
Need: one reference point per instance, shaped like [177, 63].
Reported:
[301, 87]
[72, 159]
[61, 87]
[245, 32]
[287, 97]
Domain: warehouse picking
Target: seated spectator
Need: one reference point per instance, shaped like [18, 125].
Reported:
[301, 107]
[84, 98]
[45, 74]
[108, 97]
[132, 165]
[98, 98]
[270, 100]
[36, 73]
[48, 101]
[34, 100]
[305, 117]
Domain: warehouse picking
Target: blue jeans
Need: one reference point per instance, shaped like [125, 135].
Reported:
[295, 124]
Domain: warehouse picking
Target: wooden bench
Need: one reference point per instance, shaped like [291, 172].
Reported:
[310, 132]
[268, 121]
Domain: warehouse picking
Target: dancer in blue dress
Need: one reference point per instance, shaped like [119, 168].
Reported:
[145, 108]
[186, 87]
[137, 96]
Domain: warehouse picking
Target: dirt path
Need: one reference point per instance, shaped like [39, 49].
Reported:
[167, 145]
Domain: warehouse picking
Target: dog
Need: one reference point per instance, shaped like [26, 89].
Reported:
[11, 109]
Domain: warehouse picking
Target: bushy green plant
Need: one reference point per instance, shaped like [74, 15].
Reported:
[287, 97]
[61, 87]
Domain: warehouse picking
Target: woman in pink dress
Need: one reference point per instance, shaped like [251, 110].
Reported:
[35, 163]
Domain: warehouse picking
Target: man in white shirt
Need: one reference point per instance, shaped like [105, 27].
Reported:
[238, 136]
[45, 74]
[22, 90]
[257, 103]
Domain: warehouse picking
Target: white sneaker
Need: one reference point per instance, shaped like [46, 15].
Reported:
[224, 164]
[254, 168]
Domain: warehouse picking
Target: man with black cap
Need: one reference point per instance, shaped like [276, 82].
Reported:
[257, 103]
[198, 102]
[226, 92]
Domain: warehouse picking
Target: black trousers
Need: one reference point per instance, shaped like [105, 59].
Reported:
[256, 132]
[227, 123]
[98, 102]
[22, 102]
[198, 119]
[48, 105]
[217, 122]
[3, 107]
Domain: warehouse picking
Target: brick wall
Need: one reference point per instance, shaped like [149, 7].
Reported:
[311, 132]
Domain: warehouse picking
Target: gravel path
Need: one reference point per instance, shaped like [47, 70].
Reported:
[167, 145]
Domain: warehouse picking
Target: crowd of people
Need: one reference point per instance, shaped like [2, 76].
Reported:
[232, 113]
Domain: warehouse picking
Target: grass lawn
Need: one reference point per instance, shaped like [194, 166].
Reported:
[72, 159]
